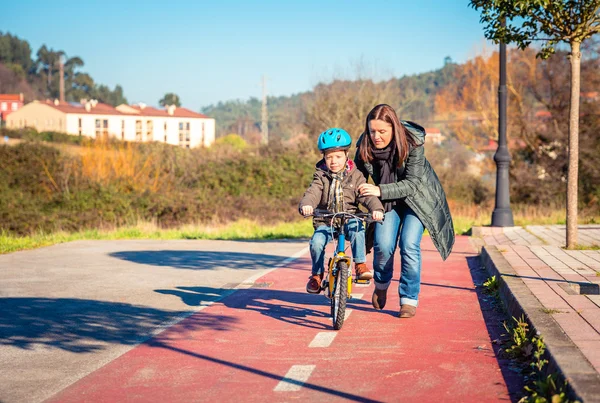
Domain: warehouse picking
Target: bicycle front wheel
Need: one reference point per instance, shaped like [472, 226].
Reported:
[340, 295]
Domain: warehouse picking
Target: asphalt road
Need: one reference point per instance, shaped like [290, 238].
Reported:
[69, 309]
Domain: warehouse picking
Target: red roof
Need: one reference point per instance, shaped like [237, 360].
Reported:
[513, 144]
[99, 109]
[105, 109]
[543, 114]
[178, 112]
[11, 97]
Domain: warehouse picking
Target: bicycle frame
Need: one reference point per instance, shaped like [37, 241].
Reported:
[340, 251]
[339, 255]
[339, 266]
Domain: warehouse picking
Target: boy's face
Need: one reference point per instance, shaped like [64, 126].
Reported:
[336, 160]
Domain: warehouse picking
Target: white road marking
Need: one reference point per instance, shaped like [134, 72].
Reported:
[357, 296]
[323, 339]
[348, 312]
[295, 378]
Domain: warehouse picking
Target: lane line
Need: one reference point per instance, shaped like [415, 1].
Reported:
[323, 339]
[357, 296]
[295, 378]
[348, 312]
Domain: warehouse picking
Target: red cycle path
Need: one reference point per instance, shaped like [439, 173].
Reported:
[241, 347]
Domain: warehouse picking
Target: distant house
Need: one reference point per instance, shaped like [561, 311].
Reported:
[492, 145]
[9, 103]
[172, 125]
[591, 96]
[434, 136]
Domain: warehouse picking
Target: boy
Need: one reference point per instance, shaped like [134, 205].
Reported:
[335, 188]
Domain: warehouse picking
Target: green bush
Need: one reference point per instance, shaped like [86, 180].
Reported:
[45, 189]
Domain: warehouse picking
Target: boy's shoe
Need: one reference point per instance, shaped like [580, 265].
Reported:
[407, 311]
[314, 284]
[379, 298]
[362, 271]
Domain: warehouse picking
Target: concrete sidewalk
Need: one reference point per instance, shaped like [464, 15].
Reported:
[558, 292]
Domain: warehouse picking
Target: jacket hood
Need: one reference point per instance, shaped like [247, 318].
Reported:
[417, 131]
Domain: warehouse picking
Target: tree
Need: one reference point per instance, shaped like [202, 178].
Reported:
[170, 99]
[15, 51]
[48, 64]
[551, 22]
[468, 101]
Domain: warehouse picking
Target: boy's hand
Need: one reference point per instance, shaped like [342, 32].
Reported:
[377, 215]
[307, 210]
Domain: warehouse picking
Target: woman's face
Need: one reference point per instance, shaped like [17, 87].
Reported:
[381, 133]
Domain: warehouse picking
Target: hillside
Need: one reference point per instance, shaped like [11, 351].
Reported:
[412, 96]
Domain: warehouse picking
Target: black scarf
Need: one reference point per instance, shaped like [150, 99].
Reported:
[384, 160]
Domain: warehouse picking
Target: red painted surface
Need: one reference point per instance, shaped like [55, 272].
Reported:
[442, 354]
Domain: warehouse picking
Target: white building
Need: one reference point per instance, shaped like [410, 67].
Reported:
[177, 126]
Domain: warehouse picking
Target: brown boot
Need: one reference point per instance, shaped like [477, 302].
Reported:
[362, 271]
[314, 284]
[379, 298]
[407, 311]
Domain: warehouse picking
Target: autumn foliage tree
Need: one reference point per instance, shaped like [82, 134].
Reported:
[550, 22]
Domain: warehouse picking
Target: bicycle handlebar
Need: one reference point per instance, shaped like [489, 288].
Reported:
[367, 217]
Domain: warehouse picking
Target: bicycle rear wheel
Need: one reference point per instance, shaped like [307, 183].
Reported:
[340, 295]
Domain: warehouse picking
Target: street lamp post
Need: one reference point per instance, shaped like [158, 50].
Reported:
[502, 215]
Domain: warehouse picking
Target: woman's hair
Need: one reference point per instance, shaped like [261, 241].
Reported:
[400, 136]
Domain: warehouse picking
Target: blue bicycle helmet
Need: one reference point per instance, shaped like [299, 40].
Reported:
[334, 139]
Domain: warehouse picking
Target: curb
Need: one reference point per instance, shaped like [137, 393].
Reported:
[563, 355]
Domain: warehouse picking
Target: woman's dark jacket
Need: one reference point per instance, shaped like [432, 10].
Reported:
[419, 187]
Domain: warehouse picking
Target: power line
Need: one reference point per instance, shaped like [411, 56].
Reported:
[264, 128]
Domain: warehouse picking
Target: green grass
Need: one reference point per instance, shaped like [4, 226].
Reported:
[239, 230]
[468, 216]
[550, 311]
[242, 229]
[587, 247]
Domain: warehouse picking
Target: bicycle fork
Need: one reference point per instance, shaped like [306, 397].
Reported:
[333, 269]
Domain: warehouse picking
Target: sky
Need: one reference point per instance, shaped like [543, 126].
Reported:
[211, 51]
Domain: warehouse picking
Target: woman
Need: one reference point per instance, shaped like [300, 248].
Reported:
[392, 154]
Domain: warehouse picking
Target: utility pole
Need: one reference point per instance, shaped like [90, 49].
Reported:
[264, 127]
[502, 215]
[61, 83]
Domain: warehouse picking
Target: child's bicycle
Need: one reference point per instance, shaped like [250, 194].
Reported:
[338, 282]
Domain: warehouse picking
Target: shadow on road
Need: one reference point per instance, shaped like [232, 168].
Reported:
[494, 316]
[288, 306]
[83, 326]
[200, 260]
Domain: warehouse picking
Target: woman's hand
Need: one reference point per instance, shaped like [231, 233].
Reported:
[366, 189]
[307, 210]
[377, 215]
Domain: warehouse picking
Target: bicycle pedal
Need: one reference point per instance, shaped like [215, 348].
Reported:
[362, 282]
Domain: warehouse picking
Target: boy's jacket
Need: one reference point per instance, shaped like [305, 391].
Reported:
[318, 192]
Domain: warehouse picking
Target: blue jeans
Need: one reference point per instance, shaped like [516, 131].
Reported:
[355, 232]
[405, 230]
